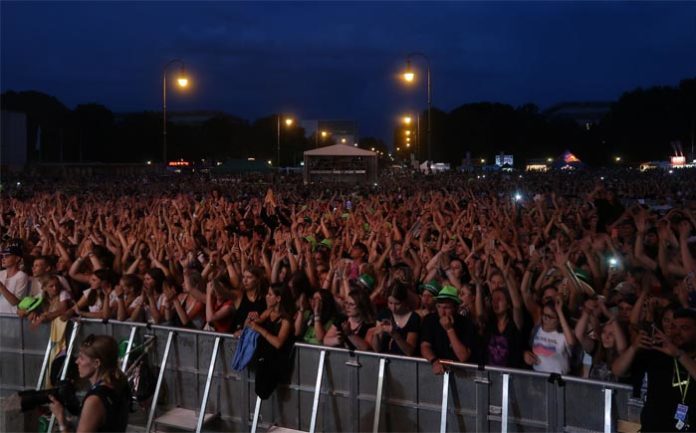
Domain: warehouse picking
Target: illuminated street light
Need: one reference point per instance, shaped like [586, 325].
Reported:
[409, 77]
[483, 160]
[407, 120]
[183, 81]
[549, 159]
[343, 140]
[617, 159]
[407, 132]
[288, 122]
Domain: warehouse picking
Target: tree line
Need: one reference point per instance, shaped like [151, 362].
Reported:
[639, 126]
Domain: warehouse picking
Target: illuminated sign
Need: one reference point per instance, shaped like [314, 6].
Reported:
[179, 164]
[678, 161]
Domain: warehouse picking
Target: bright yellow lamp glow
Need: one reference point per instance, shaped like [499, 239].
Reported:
[324, 134]
[407, 120]
[483, 160]
[289, 121]
[343, 140]
[182, 81]
[408, 132]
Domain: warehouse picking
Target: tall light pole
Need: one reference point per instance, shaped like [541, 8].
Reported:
[409, 76]
[288, 122]
[182, 81]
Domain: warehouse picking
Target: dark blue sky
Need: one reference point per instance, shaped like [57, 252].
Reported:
[333, 60]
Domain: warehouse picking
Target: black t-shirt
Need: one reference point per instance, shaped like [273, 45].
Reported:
[116, 405]
[435, 334]
[246, 306]
[663, 394]
[387, 343]
[503, 349]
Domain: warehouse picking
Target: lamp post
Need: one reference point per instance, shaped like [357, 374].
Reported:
[409, 76]
[288, 122]
[324, 134]
[182, 81]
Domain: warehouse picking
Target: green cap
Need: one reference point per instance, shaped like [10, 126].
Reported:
[30, 303]
[311, 239]
[328, 243]
[433, 286]
[449, 293]
[367, 280]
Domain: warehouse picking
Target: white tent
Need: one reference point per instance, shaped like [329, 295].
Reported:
[340, 163]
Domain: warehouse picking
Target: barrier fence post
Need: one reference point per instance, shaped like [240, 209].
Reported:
[317, 392]
[607, 410]
[209, 379]
[158, 388]
[257, 410]
[378, 395]
[44, 365]
[506, 403]
[124, 364]
[445, 398]
[66, 363]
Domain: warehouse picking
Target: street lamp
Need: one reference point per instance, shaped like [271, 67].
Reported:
[409, 77]
[183, 82]
[324, 134]
[288, 122]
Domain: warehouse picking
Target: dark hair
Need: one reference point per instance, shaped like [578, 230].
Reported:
[287, 306]
[262, 282]
[157, 275]
[107, 275]
[398, 291]
[133, 281]
[685, 313]
[363, 304]
[328, 305]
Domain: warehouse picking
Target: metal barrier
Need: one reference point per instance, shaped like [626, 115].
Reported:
[334, 389]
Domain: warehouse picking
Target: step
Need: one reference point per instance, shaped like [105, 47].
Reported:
[182, 419]
[278, 429]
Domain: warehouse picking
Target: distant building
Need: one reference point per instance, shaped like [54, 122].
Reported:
[586, 114]
[13, 147]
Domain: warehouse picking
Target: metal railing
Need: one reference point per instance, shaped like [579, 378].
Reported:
[333, 389]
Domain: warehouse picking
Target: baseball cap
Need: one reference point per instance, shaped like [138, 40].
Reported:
[449, 294]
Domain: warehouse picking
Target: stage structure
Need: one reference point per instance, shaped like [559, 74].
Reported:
[340, 163]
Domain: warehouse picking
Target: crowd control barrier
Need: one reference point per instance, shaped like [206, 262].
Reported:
[330, 389]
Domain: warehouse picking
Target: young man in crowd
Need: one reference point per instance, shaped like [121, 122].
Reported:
[13, 281]
[446, 335]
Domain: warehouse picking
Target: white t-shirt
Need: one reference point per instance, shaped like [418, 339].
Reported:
[98, 304]
[17, 284]
[553, 352]
[36, 286]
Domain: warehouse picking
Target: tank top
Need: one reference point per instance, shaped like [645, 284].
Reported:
[116, 406]
[246, 307]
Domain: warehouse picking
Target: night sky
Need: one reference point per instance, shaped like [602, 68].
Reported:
[336, 60]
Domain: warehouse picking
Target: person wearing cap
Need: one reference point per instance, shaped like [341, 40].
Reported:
[668, 361]
[13, 281]
[446, 335]
[428, 294]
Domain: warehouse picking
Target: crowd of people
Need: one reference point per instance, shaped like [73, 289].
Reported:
[586, 273]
